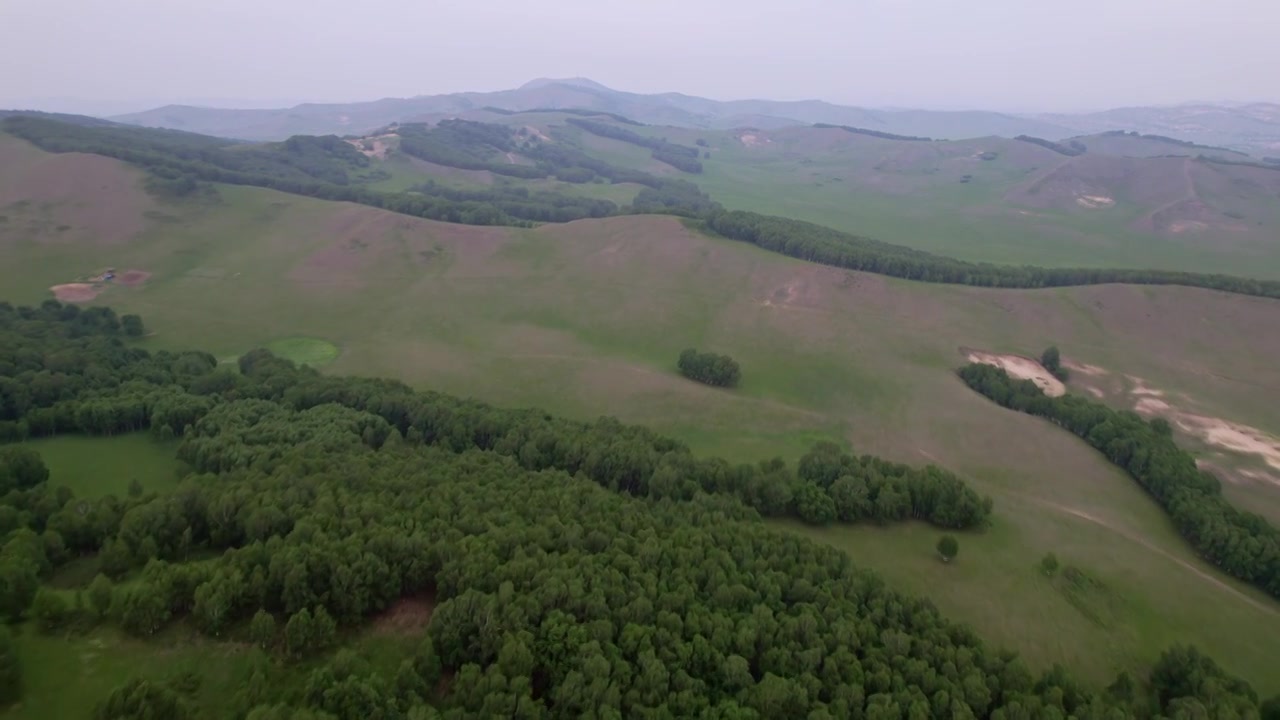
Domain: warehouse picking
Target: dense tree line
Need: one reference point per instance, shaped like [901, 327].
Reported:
[817, 243]
[1243, 544]
[519, 202]
[1071, 149]
[875, 133]
[680, 157]
[316, 502]
[674, 197]
[709, 368]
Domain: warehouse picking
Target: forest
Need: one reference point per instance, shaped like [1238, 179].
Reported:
[679, 157]
[1243, 544]
[575, 569]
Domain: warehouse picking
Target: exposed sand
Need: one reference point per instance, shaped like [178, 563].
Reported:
[750, 139]
[1095, 201]
[1022, 368]
[75, 292]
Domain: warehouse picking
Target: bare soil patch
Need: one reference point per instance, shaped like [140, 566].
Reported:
[752, 139]
[75, 292]
[133, 278]
[1022, 368]
[1095, 201]
[406, 616]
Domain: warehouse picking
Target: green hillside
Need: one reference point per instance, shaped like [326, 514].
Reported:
[587, 318]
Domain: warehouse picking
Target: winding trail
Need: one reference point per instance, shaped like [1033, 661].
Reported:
[1074, 512]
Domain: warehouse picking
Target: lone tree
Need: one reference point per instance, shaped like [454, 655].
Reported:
[948, 547]
[1049, 564]
[709, 368]
[1051, 359]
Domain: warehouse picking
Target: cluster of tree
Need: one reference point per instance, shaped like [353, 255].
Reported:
[874, 133]
[674, 197]
[870, 488]
[1243, 544]
[1071, 149]
[517, 201]
[817, 243]
[466, 144]
[709, 368]
[677, 156]
[1219, 160]
[317, 502]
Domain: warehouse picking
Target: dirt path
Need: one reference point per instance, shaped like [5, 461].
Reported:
[1149, 546]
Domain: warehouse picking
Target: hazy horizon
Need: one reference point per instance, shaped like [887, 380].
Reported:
[1004, 55]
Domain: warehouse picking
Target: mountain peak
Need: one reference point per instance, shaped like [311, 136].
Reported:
[574, 81]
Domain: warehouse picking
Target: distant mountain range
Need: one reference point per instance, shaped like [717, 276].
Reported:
[1252, 128]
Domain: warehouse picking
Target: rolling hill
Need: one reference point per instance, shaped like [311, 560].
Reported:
[1252, 128]
[586, 318]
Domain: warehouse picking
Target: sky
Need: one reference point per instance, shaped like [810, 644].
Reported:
[113, 56]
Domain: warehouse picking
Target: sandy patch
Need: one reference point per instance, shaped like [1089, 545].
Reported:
[75, 292]
[537, 133]
[133, 278]
[751, 139]
[373, 146]
[1022, 368]
[1084, 368]
[1212, 431]
[1095, 201]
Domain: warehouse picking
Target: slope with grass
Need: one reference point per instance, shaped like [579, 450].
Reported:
[586, 319]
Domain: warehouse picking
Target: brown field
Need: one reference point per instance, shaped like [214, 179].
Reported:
[75, 292]
[72, 198]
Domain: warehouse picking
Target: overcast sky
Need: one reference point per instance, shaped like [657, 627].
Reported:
[1017, 55]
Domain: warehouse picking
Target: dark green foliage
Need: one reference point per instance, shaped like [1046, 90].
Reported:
[1051, 359]
[709, 368]
[143, 700]
[132, 325]
[48, 610]
[465, 144]
[1071, 149]
[831, 247]
[1241, 543]
[869, 488]
[262, 629]
[100, 595]
[678, 156]
[674, 197]
[1049, 564]
[10, 669]
[21, 467]
[875, 133]
[1187, 683]
[575, 569]
[948, 547]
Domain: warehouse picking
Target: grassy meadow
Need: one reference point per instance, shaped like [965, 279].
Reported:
[587, 319]
[97, 466]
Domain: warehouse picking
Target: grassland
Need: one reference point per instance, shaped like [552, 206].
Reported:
[96, 466]
[588, 318]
